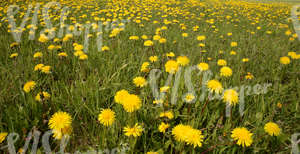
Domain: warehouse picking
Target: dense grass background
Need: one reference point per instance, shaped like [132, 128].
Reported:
[83, 88]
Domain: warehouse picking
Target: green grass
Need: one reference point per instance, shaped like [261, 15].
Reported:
[83, 87]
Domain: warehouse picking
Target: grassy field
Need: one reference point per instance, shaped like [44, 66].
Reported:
[96, 88]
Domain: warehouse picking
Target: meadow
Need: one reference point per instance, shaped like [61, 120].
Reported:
[148, 76]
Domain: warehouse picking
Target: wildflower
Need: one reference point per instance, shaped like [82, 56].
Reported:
[51, 47]
[151, 152]
[185, 133]
[160, 101]
[83, 56]
[153, 58]
[214, 86]
[120, 96]
[189, 98]
[78, 47]
[279, 105]
[64, 132]
[162, 40]
[148, 43]
[46, 69]
[164, 89]
[168, 114]
[233, 44]
[249, 76]
[29, 86]
[225, 71]
[203, 66]
[242, 136]
[162, 127]
[285, 60]
[131, 103]
[38, 67]
[272, 129]
[171, 66]
[139, 81]
[232, 53]
[231, 97]
[78, 53]
[42, 96]
[133, 38]
[43, 38]
[245, 59]
[156, 37]
[185, 34]
[182, 60]
[170, 54]
[13, 44]
[3, 136]
[201, 38]
[144, 37]
[222, 62]
[13, 55]
[106, 117]
[60, 120]
[105, 48]
[134, 131]
[38, 55]
[62, 54]
[144, 67]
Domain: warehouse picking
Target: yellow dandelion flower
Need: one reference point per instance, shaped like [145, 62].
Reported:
[285, 60]
[3, 136]
[222, 62]
[13, 55]
[62, 54]
[171, 66]
[38, 67]
[231, 97]
[131, 103]
[183, 60]
[201, 38]
[106, 117]
[38, 55]
[214, 86]
[144, 67]
[148, 43]
[225, 71]
[46, 69]
[162, 127]
[168, 114]
[133, 131]
[120, 96]
[153, 58]
[60, 120]
[29, 86]
[233, 44]
[139, 81]
[242, 136]
[105, 48]
[203, 66]
[83, 56]
[170, 54]
[272, 129]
